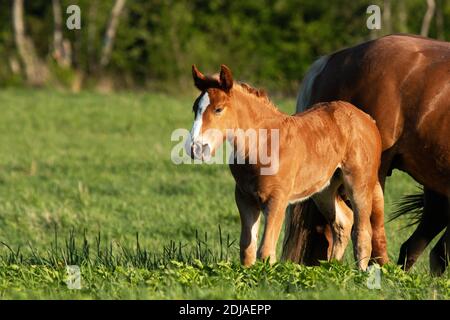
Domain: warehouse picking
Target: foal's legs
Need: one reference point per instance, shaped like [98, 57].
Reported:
[250, 217]
[360, 193]
[339, 216]
[342, 228]
[379, 251]
[275, 211]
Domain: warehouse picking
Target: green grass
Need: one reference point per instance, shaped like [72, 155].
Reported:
[82, 175]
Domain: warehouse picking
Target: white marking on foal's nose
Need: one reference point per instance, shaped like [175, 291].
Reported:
[203, 103]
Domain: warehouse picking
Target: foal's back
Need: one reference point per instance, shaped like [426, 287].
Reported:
[351, 133]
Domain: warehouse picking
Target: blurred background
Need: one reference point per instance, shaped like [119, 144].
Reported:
[151, 44]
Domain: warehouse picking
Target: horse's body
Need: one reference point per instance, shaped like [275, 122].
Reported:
[403, 82]
[332, 146]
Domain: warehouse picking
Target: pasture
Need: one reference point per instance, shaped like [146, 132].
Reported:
[87, 179]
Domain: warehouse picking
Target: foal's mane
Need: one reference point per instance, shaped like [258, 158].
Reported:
[244, 87]
[259, 94]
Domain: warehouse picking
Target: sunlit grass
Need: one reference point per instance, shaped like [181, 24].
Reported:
[100, 164]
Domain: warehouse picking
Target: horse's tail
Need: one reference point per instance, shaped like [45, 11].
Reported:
[411, 205]
[304, 95]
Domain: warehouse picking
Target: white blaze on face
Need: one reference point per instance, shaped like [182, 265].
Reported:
[203, 103]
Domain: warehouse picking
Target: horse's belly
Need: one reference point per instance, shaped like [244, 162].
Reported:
[428, 161]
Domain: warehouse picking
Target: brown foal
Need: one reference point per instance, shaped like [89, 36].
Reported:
[331, 149]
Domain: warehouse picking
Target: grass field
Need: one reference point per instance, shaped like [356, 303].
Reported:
[87, 179]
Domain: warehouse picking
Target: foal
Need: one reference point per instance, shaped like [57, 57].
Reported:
[332, 148]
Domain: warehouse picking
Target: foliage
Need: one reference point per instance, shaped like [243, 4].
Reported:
[269, 42]
[224, 280]
[87, 179]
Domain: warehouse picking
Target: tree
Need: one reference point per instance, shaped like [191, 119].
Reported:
[61, 47]
[35, 70]
[111, 32]
[402, 16]
[387, 17]
[431, 6]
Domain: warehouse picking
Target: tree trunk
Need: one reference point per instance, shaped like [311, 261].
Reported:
[111, 32]
[431, 6]
[61, 47]
[402, 17]
[35, 70]
[387, 17]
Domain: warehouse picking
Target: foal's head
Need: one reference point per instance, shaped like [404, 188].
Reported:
[214, 112]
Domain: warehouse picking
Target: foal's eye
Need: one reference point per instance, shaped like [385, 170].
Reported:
[218, 110]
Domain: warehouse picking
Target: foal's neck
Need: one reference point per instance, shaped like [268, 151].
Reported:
[256, 112]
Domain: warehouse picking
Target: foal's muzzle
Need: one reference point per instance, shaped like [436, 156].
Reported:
[200, 151]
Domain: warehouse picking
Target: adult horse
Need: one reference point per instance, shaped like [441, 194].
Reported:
[403, 82]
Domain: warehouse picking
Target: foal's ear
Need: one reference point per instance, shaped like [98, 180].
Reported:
[199, 79]
[226, 78]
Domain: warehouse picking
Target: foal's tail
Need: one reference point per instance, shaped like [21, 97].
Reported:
[411, 205]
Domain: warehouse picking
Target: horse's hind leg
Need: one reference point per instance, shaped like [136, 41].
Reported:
[432, 221]
[439, 256]
[379, 250]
